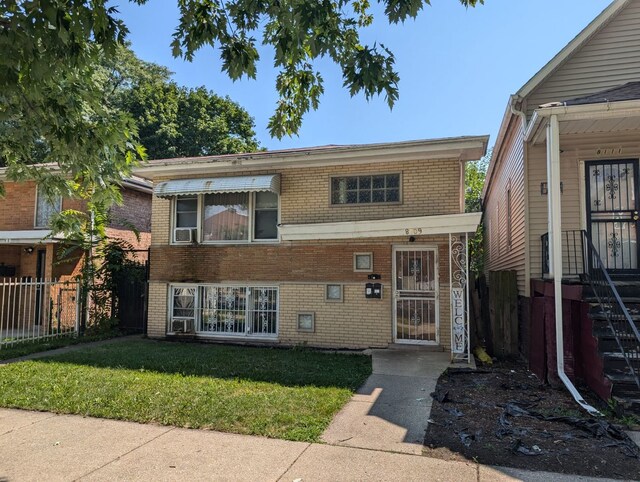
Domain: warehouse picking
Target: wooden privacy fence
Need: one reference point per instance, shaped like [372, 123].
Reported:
[503, 313]
[35, 309]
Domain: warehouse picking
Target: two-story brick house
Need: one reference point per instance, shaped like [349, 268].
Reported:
[28, 250]
[336, 246]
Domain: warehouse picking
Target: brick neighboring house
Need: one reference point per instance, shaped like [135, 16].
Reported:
[336, 246]
[25, 250]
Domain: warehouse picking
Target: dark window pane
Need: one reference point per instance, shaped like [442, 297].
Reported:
[186, 205]
[378, 196]
[378, 182]
[393, 195]
[336, 198]
[393, 180]
[352, 183]
[364, 182]
[335, 183]
[186, 220]
[266, 224]
[266, 200]
[352, 197]
[364, 197]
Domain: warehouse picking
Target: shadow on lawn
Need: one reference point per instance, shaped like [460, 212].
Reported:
[290, 367]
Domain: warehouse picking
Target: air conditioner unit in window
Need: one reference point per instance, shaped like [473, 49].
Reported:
[182, 326]
[185, 235]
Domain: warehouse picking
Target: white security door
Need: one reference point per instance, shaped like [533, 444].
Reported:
[415, 295]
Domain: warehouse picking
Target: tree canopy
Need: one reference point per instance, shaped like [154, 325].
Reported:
[53, 89]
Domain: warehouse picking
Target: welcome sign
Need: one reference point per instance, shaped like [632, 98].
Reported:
[458, 321]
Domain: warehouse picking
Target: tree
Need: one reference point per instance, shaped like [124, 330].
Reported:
[52, 92]
[175, 121]
[474, 176]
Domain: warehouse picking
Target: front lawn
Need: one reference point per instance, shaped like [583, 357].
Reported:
[289, 394]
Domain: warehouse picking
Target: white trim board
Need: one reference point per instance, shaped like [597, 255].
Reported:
[414, 226]
[32, 236]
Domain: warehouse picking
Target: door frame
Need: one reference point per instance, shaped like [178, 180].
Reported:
[587, 198]
[394, 297]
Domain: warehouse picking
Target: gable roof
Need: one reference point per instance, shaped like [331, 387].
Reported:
[572, 47]
[628, 91]
[543, 74]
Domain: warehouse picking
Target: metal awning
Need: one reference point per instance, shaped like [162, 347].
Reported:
[31, 236]
[187, 187]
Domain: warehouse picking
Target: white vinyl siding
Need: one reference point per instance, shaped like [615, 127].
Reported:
[508, 176]
[610, 58]
[576, 148]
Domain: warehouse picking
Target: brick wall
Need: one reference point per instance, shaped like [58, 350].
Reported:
[302, 270]
[135, 210]
[429, 188]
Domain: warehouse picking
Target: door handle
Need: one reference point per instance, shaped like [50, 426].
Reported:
[635, 215]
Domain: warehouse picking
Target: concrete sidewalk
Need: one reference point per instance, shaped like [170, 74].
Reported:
[390, 411]
[42, 446]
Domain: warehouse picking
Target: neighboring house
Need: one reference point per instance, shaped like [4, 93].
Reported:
[336, 246]
[566, 162]
[27, 249]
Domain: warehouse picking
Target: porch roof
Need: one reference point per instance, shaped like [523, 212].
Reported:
[31, 236]
[414, 226]
[583, 118]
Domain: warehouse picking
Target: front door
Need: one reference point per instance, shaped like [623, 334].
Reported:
[415, 295]
[612, 213]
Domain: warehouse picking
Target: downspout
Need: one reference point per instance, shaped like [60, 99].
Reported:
[555, 248]
[515, 102]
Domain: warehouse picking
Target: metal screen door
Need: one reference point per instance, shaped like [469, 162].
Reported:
[612, 212]
[415, 295]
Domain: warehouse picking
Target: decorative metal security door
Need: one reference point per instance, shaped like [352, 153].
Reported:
[612, 212]
[416, 295]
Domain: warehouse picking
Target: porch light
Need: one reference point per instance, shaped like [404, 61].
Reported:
[544, 188]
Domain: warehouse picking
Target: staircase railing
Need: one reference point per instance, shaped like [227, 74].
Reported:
[613, 308]
[581, 258]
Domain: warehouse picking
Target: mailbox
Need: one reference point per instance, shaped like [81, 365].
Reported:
[373, 291]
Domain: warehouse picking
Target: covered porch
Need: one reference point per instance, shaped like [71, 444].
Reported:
[585, 224]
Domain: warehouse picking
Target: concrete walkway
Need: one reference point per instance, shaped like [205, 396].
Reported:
[390, 411]
[36, 446]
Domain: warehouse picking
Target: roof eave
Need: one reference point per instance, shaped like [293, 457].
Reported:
[463, 148]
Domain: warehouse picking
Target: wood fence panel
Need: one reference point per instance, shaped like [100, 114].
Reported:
[503, 310]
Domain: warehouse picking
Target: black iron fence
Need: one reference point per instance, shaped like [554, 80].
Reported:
[574, 257]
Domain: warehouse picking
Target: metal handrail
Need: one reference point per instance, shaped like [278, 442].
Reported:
[620, 322]
[582, 258]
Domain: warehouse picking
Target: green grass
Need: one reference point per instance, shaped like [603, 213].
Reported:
[289, 394]
[29, 347]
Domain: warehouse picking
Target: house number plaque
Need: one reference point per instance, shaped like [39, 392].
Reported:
[413, 231]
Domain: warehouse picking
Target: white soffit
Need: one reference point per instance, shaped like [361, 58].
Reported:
[416, 226]
[186, 187]
[25, 237]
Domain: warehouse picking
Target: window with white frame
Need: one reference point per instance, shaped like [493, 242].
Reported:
[185, 219]
[227, 217]
[369, 189]
[46, 208]
[226, 310]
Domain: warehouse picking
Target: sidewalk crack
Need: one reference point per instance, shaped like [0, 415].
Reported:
[125, 454]
[293, 463]
[52, 415]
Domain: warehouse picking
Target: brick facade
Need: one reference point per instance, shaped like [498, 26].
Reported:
[17, 213]
[301, 270]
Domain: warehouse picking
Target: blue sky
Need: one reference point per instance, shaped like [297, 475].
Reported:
[457, 69]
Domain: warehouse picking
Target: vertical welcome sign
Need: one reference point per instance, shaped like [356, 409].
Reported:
[458, 320]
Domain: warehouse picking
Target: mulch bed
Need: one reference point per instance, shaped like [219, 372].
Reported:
[502, 415]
